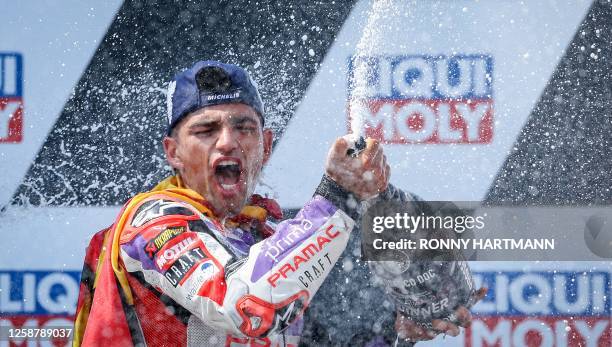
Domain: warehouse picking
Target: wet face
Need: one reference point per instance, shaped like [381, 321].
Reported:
[219, 152]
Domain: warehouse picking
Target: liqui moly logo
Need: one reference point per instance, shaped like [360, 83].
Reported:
[37, 302]
[426, 99]
[551, 293]
[38, 292]
[556, 308]
[11, 97]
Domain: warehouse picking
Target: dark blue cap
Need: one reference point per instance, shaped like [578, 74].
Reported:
[210, 83]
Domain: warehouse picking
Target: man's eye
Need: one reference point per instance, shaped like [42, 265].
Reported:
[204, 132]
[246, 128]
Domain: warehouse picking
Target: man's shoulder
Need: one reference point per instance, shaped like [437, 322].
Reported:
[147, 209]
[157, 206]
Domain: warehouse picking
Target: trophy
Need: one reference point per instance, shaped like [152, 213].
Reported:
[424, 284]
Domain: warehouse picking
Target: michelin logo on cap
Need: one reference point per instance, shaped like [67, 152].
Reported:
[210, 83]
[234, 95]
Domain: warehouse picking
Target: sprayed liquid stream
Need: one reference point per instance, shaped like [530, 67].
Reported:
[372, 33]
[358, 108]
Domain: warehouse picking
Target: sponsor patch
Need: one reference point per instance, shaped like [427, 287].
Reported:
[167, 256]
[303, 258]
[184, 265]
[154, 245]
[153, 209]
[290, 233]
[204, 272]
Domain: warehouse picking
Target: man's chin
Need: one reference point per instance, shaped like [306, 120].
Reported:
[226, 205]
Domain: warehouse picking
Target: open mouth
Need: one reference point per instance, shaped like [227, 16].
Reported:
[228, 172]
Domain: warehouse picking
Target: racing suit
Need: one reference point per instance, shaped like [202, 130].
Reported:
[168, 272]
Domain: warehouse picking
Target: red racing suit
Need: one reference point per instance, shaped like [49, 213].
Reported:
[169, 273]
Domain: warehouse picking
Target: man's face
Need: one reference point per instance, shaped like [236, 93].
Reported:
[219, 152]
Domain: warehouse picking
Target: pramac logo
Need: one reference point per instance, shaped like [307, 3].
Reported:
[426, 99]
[11, 97]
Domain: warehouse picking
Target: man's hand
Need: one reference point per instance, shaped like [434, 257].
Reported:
[409, 330]
[365, 175]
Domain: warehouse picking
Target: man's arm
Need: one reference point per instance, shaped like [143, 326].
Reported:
[185, 256]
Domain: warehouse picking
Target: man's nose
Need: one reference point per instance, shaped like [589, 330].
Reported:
[228, 141]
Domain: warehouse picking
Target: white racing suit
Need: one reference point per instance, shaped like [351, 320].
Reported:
[235, 293]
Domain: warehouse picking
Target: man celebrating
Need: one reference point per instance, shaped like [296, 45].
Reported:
[195, 261]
